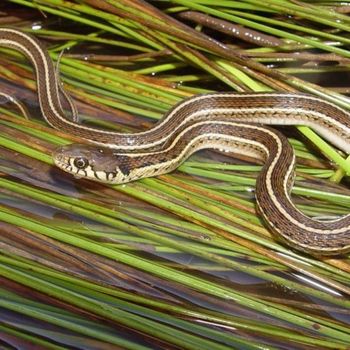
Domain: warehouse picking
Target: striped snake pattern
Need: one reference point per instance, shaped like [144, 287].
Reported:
[229, 122]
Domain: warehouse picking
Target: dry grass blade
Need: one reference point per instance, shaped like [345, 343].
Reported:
[181, 261]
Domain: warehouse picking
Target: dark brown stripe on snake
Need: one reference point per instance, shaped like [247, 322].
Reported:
[273, 184]
[205, 121]
[250, 107]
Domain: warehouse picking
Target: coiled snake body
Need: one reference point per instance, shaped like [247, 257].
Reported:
[205, 121]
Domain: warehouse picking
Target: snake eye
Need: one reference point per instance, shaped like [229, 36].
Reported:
[81, 163]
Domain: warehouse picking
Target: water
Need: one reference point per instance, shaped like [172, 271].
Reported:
[184, 253]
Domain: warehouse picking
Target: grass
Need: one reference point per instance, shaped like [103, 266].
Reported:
[182, 260]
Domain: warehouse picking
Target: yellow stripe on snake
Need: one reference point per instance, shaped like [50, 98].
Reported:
[222, 121]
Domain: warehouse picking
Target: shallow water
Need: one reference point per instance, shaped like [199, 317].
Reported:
[183, 252]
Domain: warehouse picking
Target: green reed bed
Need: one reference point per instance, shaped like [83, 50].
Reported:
[75, 204]
[183, 260]
[160, 271]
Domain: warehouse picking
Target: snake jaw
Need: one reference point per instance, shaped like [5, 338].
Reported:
[67, 161]
[62, 161]
[89, 162]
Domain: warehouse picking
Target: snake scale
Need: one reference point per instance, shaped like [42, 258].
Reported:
[230, 122]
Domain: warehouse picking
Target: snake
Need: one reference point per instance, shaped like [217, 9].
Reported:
[225, 121]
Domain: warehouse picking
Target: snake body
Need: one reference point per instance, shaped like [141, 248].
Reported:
[204, 121]
[276, 108]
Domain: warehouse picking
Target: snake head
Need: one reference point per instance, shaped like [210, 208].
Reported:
[94, 163]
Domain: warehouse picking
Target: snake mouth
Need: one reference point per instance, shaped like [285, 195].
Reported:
[63, 165]
[61, 160]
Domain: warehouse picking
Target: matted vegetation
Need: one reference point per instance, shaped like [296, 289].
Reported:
[181, 261]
